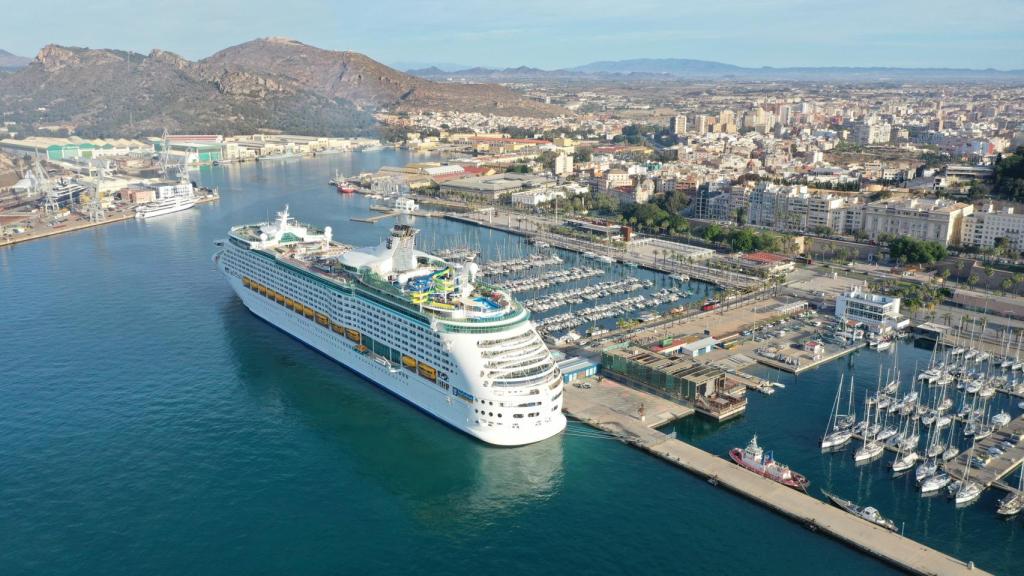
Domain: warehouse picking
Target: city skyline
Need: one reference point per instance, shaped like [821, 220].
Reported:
[794, 33]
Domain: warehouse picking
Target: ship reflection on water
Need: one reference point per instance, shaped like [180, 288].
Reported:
[441, 476]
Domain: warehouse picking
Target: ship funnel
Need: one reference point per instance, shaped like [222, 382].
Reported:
[402, 243]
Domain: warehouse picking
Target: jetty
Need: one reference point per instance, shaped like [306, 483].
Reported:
[998, 467]
[624, 418]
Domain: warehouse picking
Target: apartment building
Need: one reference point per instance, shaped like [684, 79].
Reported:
[795, 208]
[983, 229]
[934, 219]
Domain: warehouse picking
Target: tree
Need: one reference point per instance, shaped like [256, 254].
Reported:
[907, 249]
[1006, 284]
[583, 154]
[972, 279]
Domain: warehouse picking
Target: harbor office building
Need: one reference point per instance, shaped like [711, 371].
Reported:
[881, 314]
[700, 386]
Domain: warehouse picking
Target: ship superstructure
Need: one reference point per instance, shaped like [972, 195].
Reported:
[423, 328]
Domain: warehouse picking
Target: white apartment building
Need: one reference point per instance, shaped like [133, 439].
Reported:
[795, 208]
[563, 164]
[982, 229]
[867, 133]
[934, 219]
[881, 314]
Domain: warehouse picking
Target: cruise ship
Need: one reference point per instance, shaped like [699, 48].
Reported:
[424, 329]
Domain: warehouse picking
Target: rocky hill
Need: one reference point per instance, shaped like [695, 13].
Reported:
[269, 84]
[354, 77]
[115, 93]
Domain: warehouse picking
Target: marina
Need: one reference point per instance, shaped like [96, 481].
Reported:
[818, 516]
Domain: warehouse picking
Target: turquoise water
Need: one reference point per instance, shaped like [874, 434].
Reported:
[150, 425]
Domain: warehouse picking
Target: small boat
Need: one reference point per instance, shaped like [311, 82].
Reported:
[1013, 503]
[886, 433]
[836, 439]
[905, 462]
[950, 453]
[755, 459]
[1001, 419]
[864, 512]
[869, 451]
[883, 345]
[926, 469]
[935, 483]
[967, 493]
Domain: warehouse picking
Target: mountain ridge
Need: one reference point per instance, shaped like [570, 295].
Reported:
[10, 61]
[691, 68]
[265, 84]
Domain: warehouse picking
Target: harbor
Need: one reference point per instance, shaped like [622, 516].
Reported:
[777, 417]
[624, 419]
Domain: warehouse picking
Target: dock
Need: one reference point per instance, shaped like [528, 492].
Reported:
[804, 365]
[389, 214]
[623, 419]
[1000, 466]
[83, 223]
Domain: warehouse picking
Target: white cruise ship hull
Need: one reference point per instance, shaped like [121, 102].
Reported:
[154, 212]
[400, 382]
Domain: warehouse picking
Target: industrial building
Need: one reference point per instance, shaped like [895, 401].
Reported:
[491, 187]
[701, 386]
[576, 368]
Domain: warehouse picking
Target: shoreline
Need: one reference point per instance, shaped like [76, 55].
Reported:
[77, 226]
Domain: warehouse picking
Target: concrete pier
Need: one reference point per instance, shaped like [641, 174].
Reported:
[819, 516]
[998, 467]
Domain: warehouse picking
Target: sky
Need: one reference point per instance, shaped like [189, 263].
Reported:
[547, 33]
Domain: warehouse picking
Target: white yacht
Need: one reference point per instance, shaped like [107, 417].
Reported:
[170, 197]
[412, 323]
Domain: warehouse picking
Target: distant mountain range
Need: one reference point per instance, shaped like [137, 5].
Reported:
[10, 61]
[683, 68]
[265, 84]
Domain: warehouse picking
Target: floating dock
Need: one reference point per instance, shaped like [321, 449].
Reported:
[623, 419]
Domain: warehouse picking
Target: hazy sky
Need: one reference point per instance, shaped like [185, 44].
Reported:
[547, 33]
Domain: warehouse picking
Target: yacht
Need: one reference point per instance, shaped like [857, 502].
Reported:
[170, 197]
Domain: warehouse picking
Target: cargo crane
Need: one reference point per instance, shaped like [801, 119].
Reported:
[43, 187]
[95, 208]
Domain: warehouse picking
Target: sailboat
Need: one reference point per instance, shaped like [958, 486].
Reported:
[1013, 502]
[952, 450]
[845, 421]
[871, 448]
[906, 453]
[926, 469]
[969, 490]
[935, 483]
[836, 437]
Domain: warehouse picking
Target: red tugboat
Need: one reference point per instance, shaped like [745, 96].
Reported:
[755, 459]
[345, 187]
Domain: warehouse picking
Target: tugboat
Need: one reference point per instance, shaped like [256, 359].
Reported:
[865, 512]
[754, 458]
